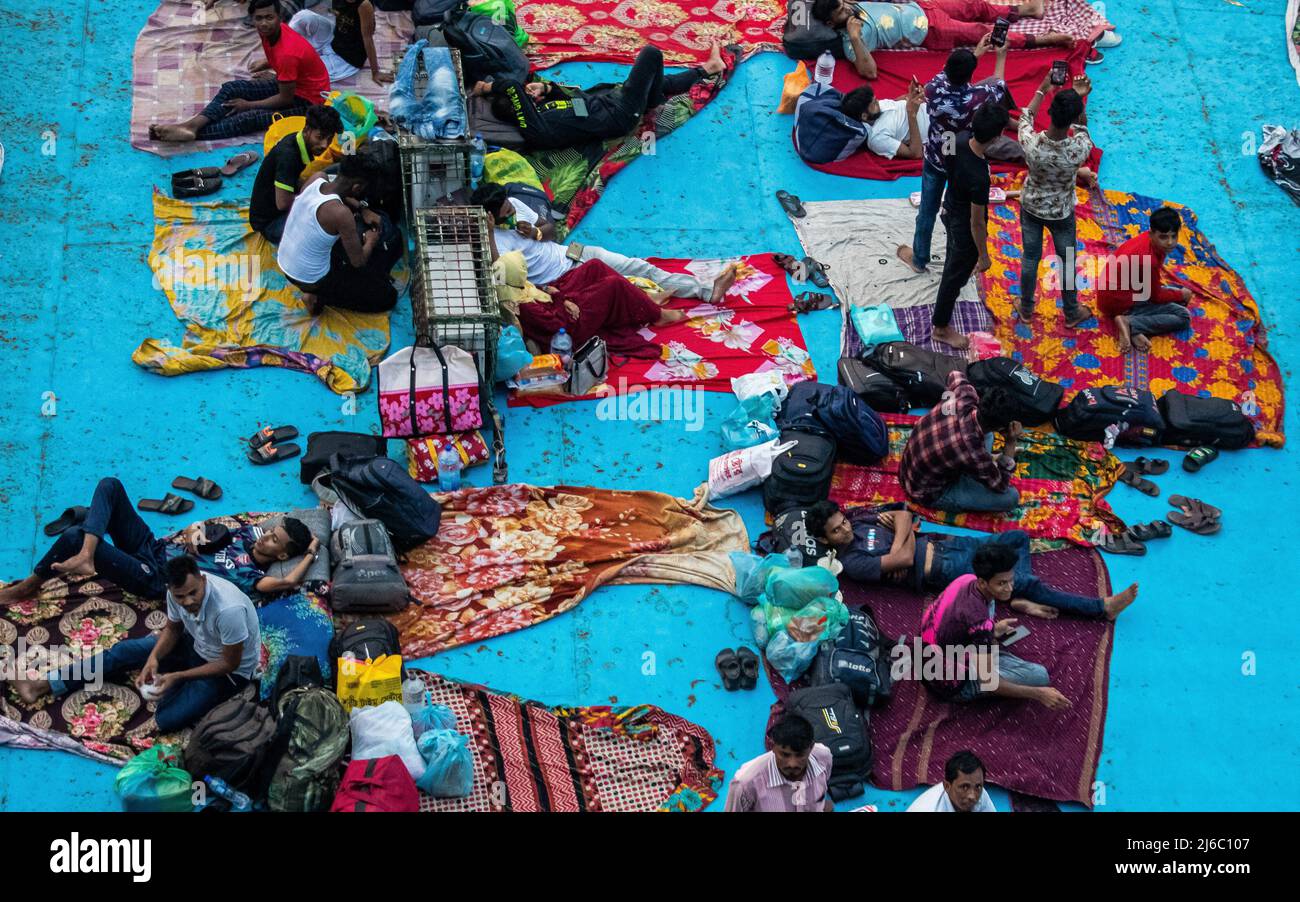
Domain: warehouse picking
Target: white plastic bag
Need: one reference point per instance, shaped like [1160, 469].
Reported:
[751, 384]
[743, 468]
[382, 730]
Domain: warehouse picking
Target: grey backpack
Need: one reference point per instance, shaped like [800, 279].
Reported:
[366, 577]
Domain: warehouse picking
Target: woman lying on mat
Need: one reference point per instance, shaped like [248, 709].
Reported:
[588, 300]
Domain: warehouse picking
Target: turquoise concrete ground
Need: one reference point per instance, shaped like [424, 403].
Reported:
[1186, 730]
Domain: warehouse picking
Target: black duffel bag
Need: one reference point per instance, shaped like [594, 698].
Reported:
[1036, 399]
[1217, 422]
[922, 374]
[321, 446]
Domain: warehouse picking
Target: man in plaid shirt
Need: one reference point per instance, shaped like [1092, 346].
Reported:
[948, 461]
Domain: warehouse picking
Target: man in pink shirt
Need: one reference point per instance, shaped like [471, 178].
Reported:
[791, 777]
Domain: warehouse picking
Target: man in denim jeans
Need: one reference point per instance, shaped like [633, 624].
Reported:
[208, 651]
[951, 101]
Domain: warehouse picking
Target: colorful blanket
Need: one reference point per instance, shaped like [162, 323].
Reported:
[529, 756]
[576, 177]
[185, 53]
[1024, 72]
[508, 557]
[1026, 748]
[1221, 356]
[1062, 486]
[223, 284]
[752, 332]
[561, 30]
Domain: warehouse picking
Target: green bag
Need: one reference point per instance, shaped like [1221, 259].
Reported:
[310, 739]
[502, 12]
[154, 781]
[501, 167]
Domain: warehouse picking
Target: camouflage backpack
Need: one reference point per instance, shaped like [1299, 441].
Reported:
[310, 740]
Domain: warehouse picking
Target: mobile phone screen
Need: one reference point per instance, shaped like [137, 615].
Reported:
[1015, 636]
[1000, 29]
[1059, 72]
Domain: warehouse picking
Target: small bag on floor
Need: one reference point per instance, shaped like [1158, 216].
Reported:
[154, 781]
[589, 367]
[1217, 422]
[449, 773]
[743, 469]
[422, 453]
[370, 683]
[922, 374]
[423, 391]
[377, 785]
[1036, 399]
[1092, 410]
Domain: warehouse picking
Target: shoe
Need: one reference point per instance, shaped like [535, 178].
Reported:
[1109, 39]
[1094, 56]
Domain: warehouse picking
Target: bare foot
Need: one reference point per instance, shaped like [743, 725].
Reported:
[1141, 342]
[905, 254]
[80, 565]
[667, 317]
[1075, 319]
[950, 336]
[1122, 335]
[660, 297]
[1032, 9]
[714, 64]
[1034, 609]
[1115, 604]
[176, 134]
[314, 306]
[31, 690]
[723, 283]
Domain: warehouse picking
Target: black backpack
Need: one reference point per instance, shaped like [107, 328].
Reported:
[379, 488]
[533, 198]
[487, 50]
[789, 530]
[297, 672]
[1217, 422]
[858, 658]
[922, 374]
[362, 639]
[877, 390]
[432, 12]
[841, 727]
[1093, 409]
[231, 741]
[805, 37]
[837, 413]
[801, 476]
[321, 446]
[1036, 399]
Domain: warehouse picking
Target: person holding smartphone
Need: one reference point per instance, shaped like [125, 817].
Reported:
[1054, 157]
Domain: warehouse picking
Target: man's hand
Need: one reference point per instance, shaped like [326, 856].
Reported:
[527, 229]
[854, 27]
[1049, 697]
[239, 105]
[915, 96]
[984, 263]
[370, 217]
[314, 547]
[1082, 85]
[369, 240]
[536, 90]
[1046, 84]
[1003, 627]
[264, 75]
[1187, 296]
[382, 77]
[481, 89]
[165, 682]
[1015, 430]
[147, 672]
[574, 310]
[984, 44]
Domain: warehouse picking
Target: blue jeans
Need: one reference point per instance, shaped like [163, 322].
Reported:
[1011, 669]
[932, 184]
[180, 707]
[955, 555]
[966, 494]
[1063, 239]
[135, 559]
[1158, 319]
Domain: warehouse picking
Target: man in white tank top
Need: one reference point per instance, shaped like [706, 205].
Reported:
[339, 258]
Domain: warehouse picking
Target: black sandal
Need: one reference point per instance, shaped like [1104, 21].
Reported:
[1196, 505]
[1122, 543]
[170, 504]
[204, 488]
[813, 300]
[73, 516]
[271, 453]
[1129, 476]
[1145, 532]
[816, 272]
[792, 205]
[748, 667]
[1195, 520]
[1150, 466]
[1199, 457]
[196, 187]
[274, 436]
[728, 667]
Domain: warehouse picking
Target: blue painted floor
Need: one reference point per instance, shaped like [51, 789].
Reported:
[1186, 730]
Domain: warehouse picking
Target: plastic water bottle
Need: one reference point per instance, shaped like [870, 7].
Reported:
[825, 69]
[562, 347]
[238, 801]
[1112, 433]
[448, 481]
[413, 692]
[476, 158]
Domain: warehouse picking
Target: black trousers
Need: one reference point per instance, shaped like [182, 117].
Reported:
[365, 289]
[646, 87]
[958, 264]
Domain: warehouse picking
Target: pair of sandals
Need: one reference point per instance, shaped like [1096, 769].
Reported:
[1134, 470]
[1132, 541]
[1195, 515]
[805, 270]
[810, 301]
[738, 668]
[172, 503]
[272, 444]
[209, 179]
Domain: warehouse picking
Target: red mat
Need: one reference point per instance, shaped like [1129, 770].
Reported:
[896, 68]
[752, 332]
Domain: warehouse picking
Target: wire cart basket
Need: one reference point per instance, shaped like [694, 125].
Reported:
[433, 169]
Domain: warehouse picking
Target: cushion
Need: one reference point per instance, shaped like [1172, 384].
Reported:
[318, 521]
[482, 121]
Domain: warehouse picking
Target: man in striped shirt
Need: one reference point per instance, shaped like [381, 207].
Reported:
[792, 777]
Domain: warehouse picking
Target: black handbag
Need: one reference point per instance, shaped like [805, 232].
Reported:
[321, 446]
[589, 366]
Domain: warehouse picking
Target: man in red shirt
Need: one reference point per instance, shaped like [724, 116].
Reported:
[291, 80]
[1129, 289]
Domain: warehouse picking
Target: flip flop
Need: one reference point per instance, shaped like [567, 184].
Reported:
[73, 516]
[1199, 457]
[1150, 466]
[204, 488]
[171, 504]
[196, 188]
[1130, 477]
[816, 272]
[728, 667]
[791, 204]
[272, 435]
[813, 300]
[271, 453]
[1122, 543]
[1198, 521]
[1145, 532]
[1195, 504]
[748, 667]
[239, 162]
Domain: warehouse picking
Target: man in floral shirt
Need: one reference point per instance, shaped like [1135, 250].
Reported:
[248, 552]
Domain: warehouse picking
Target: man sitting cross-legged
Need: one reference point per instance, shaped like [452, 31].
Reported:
[278, 180]
[1129, 289]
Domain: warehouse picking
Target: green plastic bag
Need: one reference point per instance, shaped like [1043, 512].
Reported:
[502, 12]
[821, 618]
[796, 586]
[154, 781]
[357, 112]
[501, 167]
[750, 423]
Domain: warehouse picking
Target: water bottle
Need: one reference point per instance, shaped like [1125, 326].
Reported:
[238, 801]
[825, 69]
[476, 157]
[1112, 433]
[448, 481]
[562, 347]
[413, 693]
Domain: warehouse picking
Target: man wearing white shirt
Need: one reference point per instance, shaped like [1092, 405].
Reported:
[962, 788]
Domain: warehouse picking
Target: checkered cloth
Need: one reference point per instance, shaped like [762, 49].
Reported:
[1078, 18]
[180, 64]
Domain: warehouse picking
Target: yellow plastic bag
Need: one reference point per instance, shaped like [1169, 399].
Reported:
[796, 83]
[281, 126]
[501, 167]
[363, 683]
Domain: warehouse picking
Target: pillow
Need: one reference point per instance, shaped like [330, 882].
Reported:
[317, 520]
[498, 132]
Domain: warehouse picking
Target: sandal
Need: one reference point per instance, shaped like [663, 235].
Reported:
[204, 488]
[813, 300]
[792, 205]
[816, 272]
[271, 453]
[748, 667]
[786, 262]
[1130, 477]
[198, 187]
[1199, 457]
[1122, 543]
[239, 162]
[170, 504]
[274, 436]
[1197, 521]
[73, 516]
[1150, 466]
[1145, 532]
[1196, 505]
[728, 667]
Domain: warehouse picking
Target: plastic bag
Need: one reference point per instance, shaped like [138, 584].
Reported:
[752, 384]
[794, 84]
[788, 657]
[374, 682]
[382, 730]
[751, 423]
[821, 618]
[796, 587]
[875, 325]
[752, 572]
[154, 781]
[432, 717]
[983, 346]
[512, 355]
[736, 471]
[449, 773]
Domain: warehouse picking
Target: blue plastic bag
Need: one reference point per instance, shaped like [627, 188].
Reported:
[449, 771]
[512, 355]
[752, 572]
[794, 588]
[876, 324]
[433, 717]
[750, 423]
[788, 657]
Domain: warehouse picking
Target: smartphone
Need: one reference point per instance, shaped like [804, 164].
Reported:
[1014, 636]
[1060, 72]
[1000, 29]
